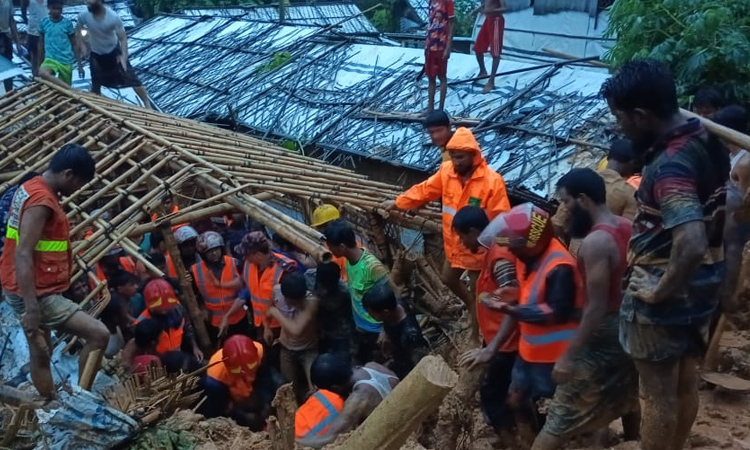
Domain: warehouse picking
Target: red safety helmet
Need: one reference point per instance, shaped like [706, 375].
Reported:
[241, 354]
[159, 296]
[524, 229]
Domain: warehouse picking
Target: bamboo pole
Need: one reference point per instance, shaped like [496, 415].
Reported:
[403, 410]
[90, 369]
[187, 288]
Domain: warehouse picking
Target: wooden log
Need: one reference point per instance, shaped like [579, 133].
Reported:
[456, 415]
[281, 427]
[400, 413]
[188, 295]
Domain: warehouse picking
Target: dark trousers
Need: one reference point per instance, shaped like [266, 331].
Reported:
[6, 50]
[493, 392]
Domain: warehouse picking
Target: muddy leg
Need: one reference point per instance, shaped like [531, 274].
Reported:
[546, 441]
[452, 279]
[659, 403]
[95, 336]
[39, 364]
[631, 426]
[687, 391]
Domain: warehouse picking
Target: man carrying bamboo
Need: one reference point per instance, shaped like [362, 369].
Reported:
[36, 264]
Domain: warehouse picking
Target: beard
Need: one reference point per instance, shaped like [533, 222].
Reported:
[579, 223]
[95, 8]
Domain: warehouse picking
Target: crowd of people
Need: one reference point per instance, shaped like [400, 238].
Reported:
[613, 293]
[54, 44]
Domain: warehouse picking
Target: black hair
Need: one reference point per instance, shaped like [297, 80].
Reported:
[732, 116]
[76, 158]
[340, 232]
[55, 2]
[470, 217]
[643, 83]
[622, 150]
[437, 118]
[175, 361]
[327, 275]
[329, 370]
[155, 239]
[380, 297]
[254, 225]
[157, 259]
[709, 97]
[293, 285]
[282, 243]
[122, 278]
[146, 332]
[28, 176]
[584, 181]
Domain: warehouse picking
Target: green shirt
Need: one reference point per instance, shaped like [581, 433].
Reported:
[363, 275]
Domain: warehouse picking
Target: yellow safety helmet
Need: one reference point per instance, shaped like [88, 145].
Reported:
[324, 214]
[602, 164]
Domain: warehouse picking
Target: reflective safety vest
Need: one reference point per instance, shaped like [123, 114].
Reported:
[545, 343]
[169, 340]
[171, 271]
[314, 418]
[52, 257]
[240, 385]
[218, 300]
[261, 285]
[490, 320]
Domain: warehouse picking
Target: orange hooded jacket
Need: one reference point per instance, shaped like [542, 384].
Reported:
[485, 188]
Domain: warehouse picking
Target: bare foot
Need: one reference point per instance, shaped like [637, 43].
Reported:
[488, 87]
[482, 74]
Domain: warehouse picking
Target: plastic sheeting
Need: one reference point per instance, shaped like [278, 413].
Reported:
[83, 421]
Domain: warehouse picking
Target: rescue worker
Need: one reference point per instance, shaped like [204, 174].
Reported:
[315, 416]
[113, 262]
[217, 277]
[187, 239]
[363, 387]
[261, 273]
[163, 306]
[597, 381]
[549, 304]
[232, 381]
[464, 180]
[499, 331]
[36, 264]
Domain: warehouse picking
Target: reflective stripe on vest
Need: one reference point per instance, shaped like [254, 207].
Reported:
[42, 245]
[323, 425]
[448, 210]
[546, 343]
[218, 307]
[259, 304]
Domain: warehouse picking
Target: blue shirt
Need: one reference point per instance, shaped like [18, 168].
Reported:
[57, 40]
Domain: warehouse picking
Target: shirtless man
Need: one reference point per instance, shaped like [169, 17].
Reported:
[490, 37]
[363, 387]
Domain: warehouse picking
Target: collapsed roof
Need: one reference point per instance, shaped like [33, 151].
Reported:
[331, 92]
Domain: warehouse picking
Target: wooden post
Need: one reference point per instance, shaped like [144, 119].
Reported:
[456, 416]
[188, 296]
[281, 427]
[401, 412]
[90, 368]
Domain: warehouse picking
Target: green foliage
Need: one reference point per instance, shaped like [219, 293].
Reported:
[381, 19]
[279, 59]
[705, 42]
[464, 17]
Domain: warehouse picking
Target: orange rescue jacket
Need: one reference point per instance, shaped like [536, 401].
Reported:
[261, 285]
[314, 418]
[546, 343]
[52, 255]
[218, 300]
[169, 340]
[240, 385]
[485, 188]
[489, 319]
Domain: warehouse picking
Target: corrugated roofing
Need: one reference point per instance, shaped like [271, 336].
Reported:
[320, 97]
[319, 14]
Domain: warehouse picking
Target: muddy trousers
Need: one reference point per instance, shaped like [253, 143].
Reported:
[493, 392]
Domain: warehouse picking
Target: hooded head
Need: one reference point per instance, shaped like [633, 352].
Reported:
[464, 151]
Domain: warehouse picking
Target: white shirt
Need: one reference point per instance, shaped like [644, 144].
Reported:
[37, 11]
[6, 13]
[102, 33]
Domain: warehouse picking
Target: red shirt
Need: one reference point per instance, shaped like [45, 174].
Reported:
[438, 28]
[621, 235]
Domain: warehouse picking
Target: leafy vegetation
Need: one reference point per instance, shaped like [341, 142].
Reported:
[464, 17]
[149, 8]
[705, 42]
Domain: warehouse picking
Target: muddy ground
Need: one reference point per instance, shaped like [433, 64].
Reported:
[723, 420]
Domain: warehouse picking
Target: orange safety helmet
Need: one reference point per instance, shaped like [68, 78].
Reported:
[159, 296]
[525, 226]
[241, 355]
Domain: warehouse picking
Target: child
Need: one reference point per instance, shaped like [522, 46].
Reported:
[116, 316]
[296, 311]
[408, 345]
[56, 47]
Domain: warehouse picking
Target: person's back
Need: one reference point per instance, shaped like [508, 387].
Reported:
[335, 321]
[374, 378]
